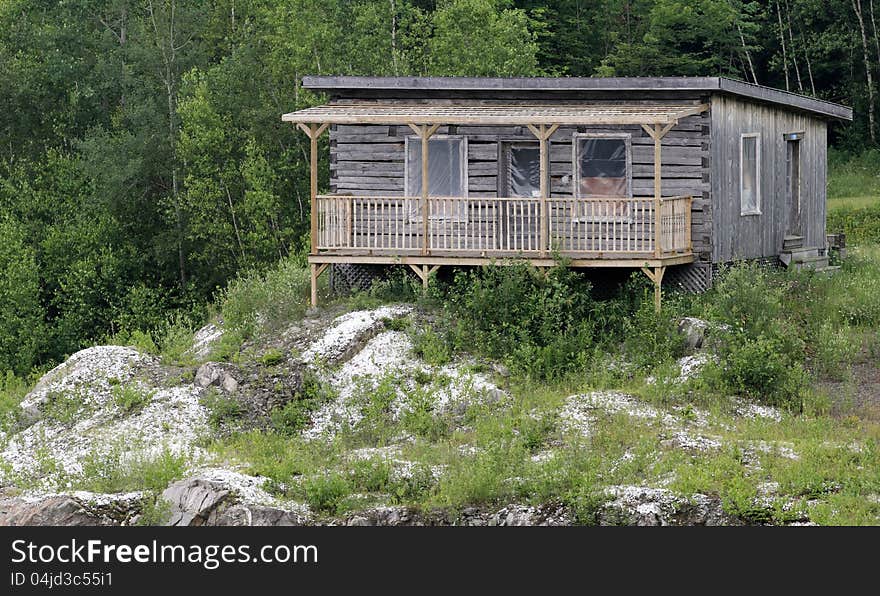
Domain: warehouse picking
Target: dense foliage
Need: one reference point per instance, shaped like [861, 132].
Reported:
[143, 163]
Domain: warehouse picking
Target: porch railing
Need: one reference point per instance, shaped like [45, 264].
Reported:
[606, 227]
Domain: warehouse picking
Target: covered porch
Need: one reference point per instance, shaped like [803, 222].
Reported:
[426, 231]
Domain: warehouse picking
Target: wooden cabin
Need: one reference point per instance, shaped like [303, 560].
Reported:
[668, 175]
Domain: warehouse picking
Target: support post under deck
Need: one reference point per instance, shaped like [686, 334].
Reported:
[656, 276]
[315, 271]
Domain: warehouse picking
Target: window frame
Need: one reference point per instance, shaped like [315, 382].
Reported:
[463, 150]
[505, 147]
[576, 162]
[743, 212]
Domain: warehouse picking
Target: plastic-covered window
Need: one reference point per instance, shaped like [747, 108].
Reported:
[445, 178]
[602, 167]
[749, 179]
[524, 170]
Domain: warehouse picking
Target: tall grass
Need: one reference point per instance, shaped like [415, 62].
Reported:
[853, 175]
[12, 390]
[854, 196]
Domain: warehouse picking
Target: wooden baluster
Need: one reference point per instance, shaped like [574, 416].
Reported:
[354, 223]
[515, 228]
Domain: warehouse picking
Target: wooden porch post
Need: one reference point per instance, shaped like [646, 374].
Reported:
[425, 132]
[658, 196]
[657, 132]
[424, 272]
[543, 132]
[315, 272]
[313, 131]
[656, 276]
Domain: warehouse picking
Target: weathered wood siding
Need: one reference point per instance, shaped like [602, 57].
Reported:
[368, 160]
[754, 236]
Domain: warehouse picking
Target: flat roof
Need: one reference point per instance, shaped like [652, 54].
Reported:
[437, 86]
[498, 113]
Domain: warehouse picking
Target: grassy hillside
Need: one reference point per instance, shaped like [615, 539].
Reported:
[779, 417]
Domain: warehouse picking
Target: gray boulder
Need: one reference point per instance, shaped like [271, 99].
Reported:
[693, 332]
[218, 501]
[193, 501]
[217, 375]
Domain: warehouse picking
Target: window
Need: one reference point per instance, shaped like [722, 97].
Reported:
[750, 174]
[447, 173]
[521, 170]
[603, 165]
[793, 171]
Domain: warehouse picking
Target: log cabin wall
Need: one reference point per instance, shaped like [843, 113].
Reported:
[368, 160]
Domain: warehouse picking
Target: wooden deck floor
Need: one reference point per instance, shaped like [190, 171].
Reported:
[444, 258]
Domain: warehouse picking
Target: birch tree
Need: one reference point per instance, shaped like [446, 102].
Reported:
[857, 8]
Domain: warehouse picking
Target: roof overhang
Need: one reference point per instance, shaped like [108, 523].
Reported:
[516, 114]
[510, 88]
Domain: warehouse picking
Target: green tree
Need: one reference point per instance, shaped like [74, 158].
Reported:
[21, 314]
[683, 38]
[481, 38]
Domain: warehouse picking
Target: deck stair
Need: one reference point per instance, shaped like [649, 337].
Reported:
[796, 256]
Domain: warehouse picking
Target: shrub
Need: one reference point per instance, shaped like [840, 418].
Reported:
[258, 302]
[327, 492]
[291, 417]
[141, 307]
[142, 341]
[419, 416]
[399, 324]
[270, 454]
[414, 486]
[155, 511]
[484, 478]
[222, 408]
[431, 346]
[369, 475]
[272, 357]
[375, 403]
[651, 338]
[170, 339]
[759, 368]
[538, 321]
[746, 297]
[175, 338]
[129, 398]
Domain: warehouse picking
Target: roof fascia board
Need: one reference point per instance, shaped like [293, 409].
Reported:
[340, 84]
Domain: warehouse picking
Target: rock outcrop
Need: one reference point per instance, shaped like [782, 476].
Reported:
[77, 509]
[222, 498]
[511, 515]
[645, 506]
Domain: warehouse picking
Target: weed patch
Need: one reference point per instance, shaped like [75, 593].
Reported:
[130, 398]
